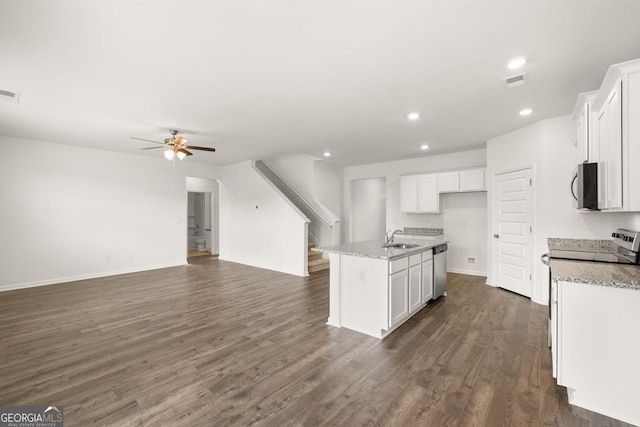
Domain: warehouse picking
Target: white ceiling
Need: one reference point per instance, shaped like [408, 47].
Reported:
[261, 79]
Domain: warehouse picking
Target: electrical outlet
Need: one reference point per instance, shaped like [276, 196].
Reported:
[363, 276]
[471, 260]
[108, 258]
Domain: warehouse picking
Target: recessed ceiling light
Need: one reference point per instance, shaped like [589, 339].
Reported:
[413, 116]
[326, 154]
[424, 147]
[526, 111]
[516, 63]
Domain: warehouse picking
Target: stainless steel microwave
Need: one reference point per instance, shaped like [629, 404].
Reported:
[584, 186]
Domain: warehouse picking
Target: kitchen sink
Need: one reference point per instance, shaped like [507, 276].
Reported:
[401, 245]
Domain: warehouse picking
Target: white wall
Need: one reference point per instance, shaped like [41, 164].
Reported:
[453, 209]
[71, 212]
[368, 207]
[327, 186]
[297, 171]
[258, 226]
[548, 146]
[312, 178]
[465, 223]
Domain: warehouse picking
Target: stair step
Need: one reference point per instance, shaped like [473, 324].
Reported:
[314, 255]
[311, 245]
[317, 265]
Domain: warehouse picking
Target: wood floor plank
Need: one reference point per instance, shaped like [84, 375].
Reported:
[218, 343]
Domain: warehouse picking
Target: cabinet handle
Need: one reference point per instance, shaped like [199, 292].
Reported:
[497, 236]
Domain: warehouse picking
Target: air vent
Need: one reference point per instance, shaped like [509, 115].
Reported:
[9, 96]
[514, 81]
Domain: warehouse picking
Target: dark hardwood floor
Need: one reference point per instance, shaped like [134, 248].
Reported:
[217, 344]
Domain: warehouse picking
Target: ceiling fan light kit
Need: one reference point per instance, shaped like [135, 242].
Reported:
[176, 146]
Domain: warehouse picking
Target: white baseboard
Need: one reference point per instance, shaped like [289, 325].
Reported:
[59, 280]
[540, 301]
[574, 399]
[469, 272]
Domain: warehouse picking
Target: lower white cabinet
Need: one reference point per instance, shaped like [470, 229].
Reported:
[596, 348]
[427, 280]
[374, 296]
[415, 288]
[398, 298]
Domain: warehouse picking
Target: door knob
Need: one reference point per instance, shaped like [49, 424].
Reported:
[497, 236]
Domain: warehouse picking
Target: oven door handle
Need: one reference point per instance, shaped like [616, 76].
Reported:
[545, 259]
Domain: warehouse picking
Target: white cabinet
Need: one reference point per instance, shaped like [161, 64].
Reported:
[461, 181]
[415, 288]
[616, 138]
[472, 180]
[398, 298]
[428, 197]
[609, 145]
[409, 193]
[427, 280]
[449, 182]
[419, 194]
[597, 355]
[583, 116]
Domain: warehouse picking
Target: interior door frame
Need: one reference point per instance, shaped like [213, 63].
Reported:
[493, 218]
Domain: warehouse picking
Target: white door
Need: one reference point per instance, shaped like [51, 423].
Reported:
[512, 242]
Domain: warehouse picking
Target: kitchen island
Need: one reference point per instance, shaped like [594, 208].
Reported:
[373, 289]
[595, 314]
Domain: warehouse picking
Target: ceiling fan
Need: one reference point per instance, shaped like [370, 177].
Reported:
[176, 146]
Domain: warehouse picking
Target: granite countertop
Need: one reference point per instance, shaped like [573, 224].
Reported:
[592, 273]
[374, 249]
[596, 273]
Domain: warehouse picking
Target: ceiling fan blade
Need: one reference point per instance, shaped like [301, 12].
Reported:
[193, 147]
[178, 140]
[182, 150]
[148, 140]
[150, 148]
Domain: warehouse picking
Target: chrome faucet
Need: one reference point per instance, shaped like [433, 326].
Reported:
[389, 239]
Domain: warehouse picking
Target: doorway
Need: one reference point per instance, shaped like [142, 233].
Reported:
[368, 209]
[199, 236]
[202, 217]
[512, 227]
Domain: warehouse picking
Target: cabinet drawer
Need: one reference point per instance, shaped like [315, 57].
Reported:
[427, 255]
[414, 260]
[398, 265]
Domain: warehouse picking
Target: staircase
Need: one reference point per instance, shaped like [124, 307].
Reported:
[315, 260]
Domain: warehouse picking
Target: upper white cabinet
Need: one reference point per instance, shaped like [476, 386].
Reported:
[472, 180]
[449, 182]
[461, 181]
[409, 193]
[428, 197]
[419, 194]
[616, 138]
[583, 116]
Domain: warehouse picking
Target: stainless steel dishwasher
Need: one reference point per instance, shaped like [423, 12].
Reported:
[439, 271]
